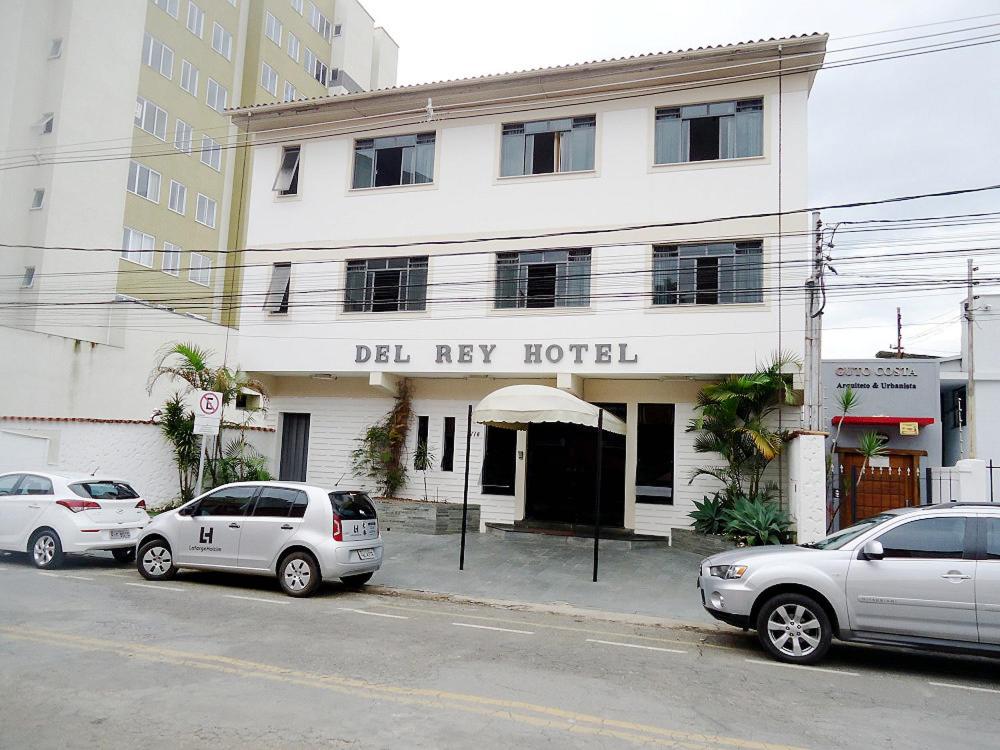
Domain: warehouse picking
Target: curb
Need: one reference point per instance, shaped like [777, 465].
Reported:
[547, 609]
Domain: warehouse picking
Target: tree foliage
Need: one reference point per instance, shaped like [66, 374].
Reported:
[381, 453]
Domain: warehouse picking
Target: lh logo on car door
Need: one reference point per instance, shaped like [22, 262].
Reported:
[206, 535]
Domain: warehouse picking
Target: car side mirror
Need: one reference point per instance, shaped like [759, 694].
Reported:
[873, 550]
[186, 511]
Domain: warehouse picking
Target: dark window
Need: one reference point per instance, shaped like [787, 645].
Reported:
[654, 471]
[705, 132]
[34, 485]
[499, 461]
[992, 537]
[719, 273]
[547, 146]
[394, 160]
[543, 278]
[420, 457]
[8, 482]
[287, 180]
[926, 538]
[276, 300]
[386, 284]
[232, 501]
[448, 449]
[280, 502]
[352, 506]
[104, 490]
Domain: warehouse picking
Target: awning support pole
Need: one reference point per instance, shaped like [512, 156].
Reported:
[597, 486]
[465, 492]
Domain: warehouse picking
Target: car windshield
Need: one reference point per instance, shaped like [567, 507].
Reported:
[352, 506]
[104, 490]
[838, 539]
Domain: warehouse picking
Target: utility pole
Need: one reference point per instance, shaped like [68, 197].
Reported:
[814, 332]
[970, 368]
[899, 333]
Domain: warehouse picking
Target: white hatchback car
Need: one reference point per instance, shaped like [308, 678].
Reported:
[47, 515]
[300, 533]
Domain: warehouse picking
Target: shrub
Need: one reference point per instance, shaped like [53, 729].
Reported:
[756, 521]
[709, 515]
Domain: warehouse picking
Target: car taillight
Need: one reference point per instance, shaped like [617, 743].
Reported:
[338, 531]
[141, 504]
[77, 505]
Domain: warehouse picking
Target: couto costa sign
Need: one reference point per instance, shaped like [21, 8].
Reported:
[879, 371]
[533, 354]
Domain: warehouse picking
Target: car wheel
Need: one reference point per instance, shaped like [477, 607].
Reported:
[45, 549]
[124, 555]
[794, 628]
[155, 562]
[358, 580]
[298, 574]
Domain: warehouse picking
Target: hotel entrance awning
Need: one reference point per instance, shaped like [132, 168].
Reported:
[517, 406]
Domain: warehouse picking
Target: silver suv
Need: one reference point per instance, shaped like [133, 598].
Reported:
[926, 577]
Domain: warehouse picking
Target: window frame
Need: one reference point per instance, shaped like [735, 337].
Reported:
[199, 19]
[143, 105]
[285, 92]
[225, 38]
[246, 511]
[204, 265]
[273, 24]
[37, 199]
[279, 288]
[970, 537]
[366, 304]
[134, 180]
[55, 48]
[430, 137]
[657, 110]
[663, 250]
[136, 256]
[179, 125]
[149, 49]
[293, 172]
[213, 101]
[507, 259]
[265, 67]
[171, 7]
[174, 253]
[209, 202]
[214, 151]
[192, 74]
[587, 123]
[297, 57]
[182, 192]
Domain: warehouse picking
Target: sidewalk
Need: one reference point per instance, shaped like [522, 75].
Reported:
[655, 581]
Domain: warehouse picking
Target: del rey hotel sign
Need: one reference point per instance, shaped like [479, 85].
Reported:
[534, 354]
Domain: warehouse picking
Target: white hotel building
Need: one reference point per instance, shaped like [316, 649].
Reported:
[558, 226]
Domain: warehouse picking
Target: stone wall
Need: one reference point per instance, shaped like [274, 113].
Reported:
[690, 540]
[425, 518]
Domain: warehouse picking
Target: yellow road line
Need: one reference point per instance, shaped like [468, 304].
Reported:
[548, 717]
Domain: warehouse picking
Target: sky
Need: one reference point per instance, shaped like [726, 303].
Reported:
[915, 125]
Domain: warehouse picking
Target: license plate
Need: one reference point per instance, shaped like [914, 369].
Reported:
[366, 554]
[121, 533]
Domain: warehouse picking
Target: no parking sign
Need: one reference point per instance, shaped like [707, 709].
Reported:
[207, 412]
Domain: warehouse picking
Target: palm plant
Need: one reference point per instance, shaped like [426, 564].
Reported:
[177, 425]
[423, 457]
[847, 401]
[870, 445]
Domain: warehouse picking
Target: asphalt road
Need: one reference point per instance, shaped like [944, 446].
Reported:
[94, 656]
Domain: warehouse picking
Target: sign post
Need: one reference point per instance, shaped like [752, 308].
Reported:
[207, 418]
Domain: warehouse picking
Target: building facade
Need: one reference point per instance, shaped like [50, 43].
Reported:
[615, 229]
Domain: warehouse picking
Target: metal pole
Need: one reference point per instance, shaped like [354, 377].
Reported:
[597, 486]
[201, 465]
[465, 492]
[970, 302]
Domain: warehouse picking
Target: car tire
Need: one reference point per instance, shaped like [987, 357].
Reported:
[794, 628]
[124, 555]
[45, 549]
[298, 574]
[155, 561]
[356, 582]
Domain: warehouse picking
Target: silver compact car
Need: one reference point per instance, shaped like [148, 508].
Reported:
[925, 577]
[299, 533]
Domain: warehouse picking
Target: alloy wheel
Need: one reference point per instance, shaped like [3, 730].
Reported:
[794, 630]
[297, 574]
[156, 561]
[44, 550]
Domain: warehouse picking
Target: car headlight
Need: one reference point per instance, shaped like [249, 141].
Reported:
[728, 571]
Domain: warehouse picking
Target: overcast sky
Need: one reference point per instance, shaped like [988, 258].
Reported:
[916, 125]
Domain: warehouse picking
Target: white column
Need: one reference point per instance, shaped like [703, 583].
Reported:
[520, 474]
[807, 485]
[972, 481]
[631, 460]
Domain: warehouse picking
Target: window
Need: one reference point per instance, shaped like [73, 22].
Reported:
[297, 6]
[158, 56]
[717, 274]
[28, 279]
[926, 538]
[37, 198]
[287, 180]
[217, 95]
[320, 22]
[178, 198]
[279, 502]
[394, 160]
[7, 484]
[421, 455]
[543, 278]
[992, 534]
[448, 448]
[150, 118]
[189, 78]
[171, 259]
[201, 269]
[144, 181]
[196, 20]
[104, 490]
[137, 247]
[205, 211]
[169, 6]
[704, 132]
[276, 300]
[47, 123]
[352, 506]
[294, 46]
[272, 28]
[268, 79]
[316, 67]
[547, 146]
[233, 501]
[183, 137]
[338, 29]
[654, 473]
[499, 461]
[33, 485]
[290, 93]
[55, 48]
[386, 284]
[959, 417]
[211, 153]
[222, 41]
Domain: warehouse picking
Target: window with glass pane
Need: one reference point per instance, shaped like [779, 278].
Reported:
[706, 132]
[721, 273]
[543, 278]
[547, 146]
[394, 160]
[926, 538]
[386, 284]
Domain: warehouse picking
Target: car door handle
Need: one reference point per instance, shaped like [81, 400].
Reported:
[956, 576]
[287, 527]
[36, 507]
[234, 525]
